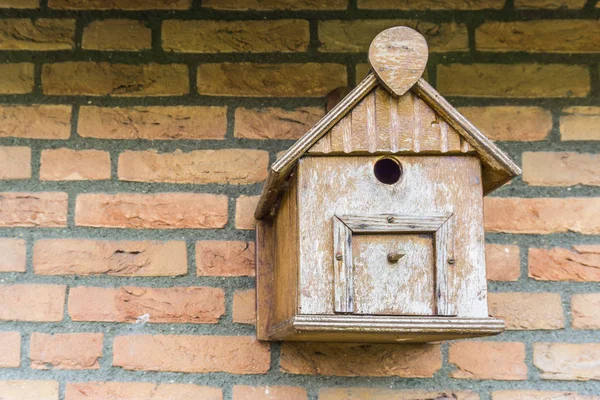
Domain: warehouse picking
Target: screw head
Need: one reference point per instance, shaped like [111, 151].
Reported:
[338, 256]
[451, 261]
[390, 219]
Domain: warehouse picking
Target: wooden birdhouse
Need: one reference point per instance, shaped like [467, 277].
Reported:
[370, 227]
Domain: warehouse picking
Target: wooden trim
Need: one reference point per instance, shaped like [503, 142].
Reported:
[444, 253]
[265, 274]
[343, 269]
[394, 222]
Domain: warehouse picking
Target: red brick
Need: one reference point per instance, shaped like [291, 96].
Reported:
[120, 4]
[227, 166]
[538, 395]
[581, 264]
[225, 258]
[510, 123]
[35, 121]
[411, 5]
[585, 311]
[153, 123]
[528, 311]
[580, 123]
[503, 262]
[264, 36]
[13, 255]
[270, 80]
[15, 162]
[19, 3]
[65, 351]
[488, 360]
[140, 391]
[561, 169]
[115, 258]
[244, 306]
[275, 4]
[16, 78]
[197, 354]
[241, 392]
[546, 215]
[353, 36]
[117, 34]
[513, 80]
[29, 390]
[550, 4]
[39, 209]
[157, 211]
[275, 123]
[244, 212]
[32, 302]
[43, 34]
[123, 80]
[190, 305]
[567, 361]
[349, 359]
[392, 394]
[74, 165]
[10, 349]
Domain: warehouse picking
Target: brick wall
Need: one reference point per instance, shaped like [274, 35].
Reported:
[135, 136]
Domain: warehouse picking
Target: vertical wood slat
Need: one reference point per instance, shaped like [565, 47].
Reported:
[265, 275]
[342, 261]
[416, 125]
[445, 264]
[394, 124]
[443, 136]
[370, 122]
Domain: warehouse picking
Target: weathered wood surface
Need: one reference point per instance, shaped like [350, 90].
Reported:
[343, 264]
[429, 222]
[265, 275]
[445, 262]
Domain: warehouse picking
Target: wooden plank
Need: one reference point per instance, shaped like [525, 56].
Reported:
[445, 268]
[343, 267]
[265, 274]
[398, 223]
[384, 112]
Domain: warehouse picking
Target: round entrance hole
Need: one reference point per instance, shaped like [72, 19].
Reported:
[388, 171]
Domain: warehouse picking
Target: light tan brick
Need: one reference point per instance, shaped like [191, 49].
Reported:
[358, 393]
[117, 34]
[65, 351]
[13, 255]
[349, 359]
[580, 123]
[488, 360]
[585, 311]
[16, 78]
[42, 34]
[244, 212]
[173, 305]
[35, 121]
[156, 211]
[241, 392]
[15, 162]
[275, 123]
[567, 361]
[527, 311]
[561, 169]
[227, 166]
[121, 80]
[410, 5]
[510, 123]
[105, 257]
[581, 264]
[43, 209]
[502, 262]
[284, 80]
[32, 302]
[225, 258]
[550, 4]
[543, 215]
[74, 165]
[281, 36]
[120, 4]
[275, 4]
[197, 354]
[10, 349]
[153, 123]
[539, 395]
[19, 3]
[244, 306]
[29, 390]
[140, 391]
[513, 80]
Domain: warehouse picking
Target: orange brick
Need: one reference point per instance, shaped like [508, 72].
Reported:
[244, 306]
[585, 311]
[16, 78]
[488, 360]
[550, 4]
[29, 390]
[510, 123]
[244, 212]
[580, 123]
[275, 123]
[539, 395]
[13, 255]
[502, 262]
[241, 392]
[74, 165]
[115, 258]
[153, 123]
[513, 80]
[19, 3]
[355, 36]
[10, 349]
[35, 121]
[15, 162]
[581, 264]
[157, 211]
[567, 361]
[65, 351]
[275, 4]
[429, 5]
[117, 34]
[37, 34]
[561, 169]
[123, 80]
[392, 394]
[284, 80]
[528, 311]
[32, 302]
[225, 258]
[140, 391]
[282, 36]
[227, 166]
[120, 4]
[548, 215]
[349, 359]
[43, 209]
[197, 354]
[190, 305]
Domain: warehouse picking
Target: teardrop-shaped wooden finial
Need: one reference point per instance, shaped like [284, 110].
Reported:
[398, 57]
